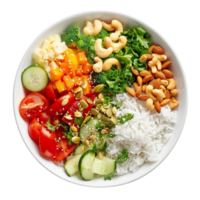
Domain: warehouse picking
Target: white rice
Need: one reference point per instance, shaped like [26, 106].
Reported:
[143, 136]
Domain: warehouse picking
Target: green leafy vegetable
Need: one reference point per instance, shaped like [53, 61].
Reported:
[146, 52]
[141, 34]
[99, 127]
[112, 125]
[123, 156]
[137, 41]
[78, 120]
[125, 118]
[109, 176]
[115, 81]
[139, 66]
[71, 35]
[69, 135]
[50, 126]
[119, 104]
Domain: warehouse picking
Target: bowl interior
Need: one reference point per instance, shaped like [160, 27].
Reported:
[80, 20]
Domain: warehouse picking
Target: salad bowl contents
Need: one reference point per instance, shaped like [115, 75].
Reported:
[100, 100]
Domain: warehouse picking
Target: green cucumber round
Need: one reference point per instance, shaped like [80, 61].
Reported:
[34, 78]
[85, 165]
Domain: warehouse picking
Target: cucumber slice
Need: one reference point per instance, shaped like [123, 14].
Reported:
[78, 149]
[110, 165]
[71, 165]
[34, 78]
[92, 146]
[99, 166]
[87, 128]
[85, 165]
[103, 143]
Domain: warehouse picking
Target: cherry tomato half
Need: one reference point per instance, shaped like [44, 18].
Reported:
[47, 142]
[32, 105]
[63, 147]
[61, 105]
[50, 93]
[44, 117]
[34, 130]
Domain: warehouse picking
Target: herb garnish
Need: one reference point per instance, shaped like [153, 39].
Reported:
[78, 120]
[109, 176]
[69, 135]
[99, 127]
[65, 126]
[50, 126]
[118, 105]
[123, 156]
[125, 118]
[110, 135]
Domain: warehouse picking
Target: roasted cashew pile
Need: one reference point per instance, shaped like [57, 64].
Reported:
[114, 43]
[155, 85]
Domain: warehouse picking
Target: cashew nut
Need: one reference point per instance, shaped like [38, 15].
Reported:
[108, 27]
[116, 46]
[172, 84]
[109, 62]
[159, 65]
[174, 92]
[161, 57]
[163, 88]
[149, 90]
[91, 29]
[145, 57]
[164, 83]
[152, 65]
[173, 103]
[118, 29]
[149, 104]
[100, 51]
[159, 94]
[98, 66]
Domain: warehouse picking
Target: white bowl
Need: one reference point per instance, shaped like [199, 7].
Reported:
[80, 20]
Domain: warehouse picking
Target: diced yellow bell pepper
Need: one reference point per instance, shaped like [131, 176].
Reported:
[56, 74]
[61, 87]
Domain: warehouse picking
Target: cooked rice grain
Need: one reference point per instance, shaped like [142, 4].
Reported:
[143, 136]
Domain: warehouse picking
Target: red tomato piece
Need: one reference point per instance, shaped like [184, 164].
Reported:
[47, 142]
[63, 147]
[44, 117]
[59, 107]
[34, 130]
[94, 96]
[32, 105]
[57, 120]
[50, 93]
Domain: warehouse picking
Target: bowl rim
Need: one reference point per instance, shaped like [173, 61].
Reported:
[134, 19]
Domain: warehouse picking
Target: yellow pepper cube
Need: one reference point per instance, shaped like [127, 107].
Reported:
[61, 87]
[56, 74]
